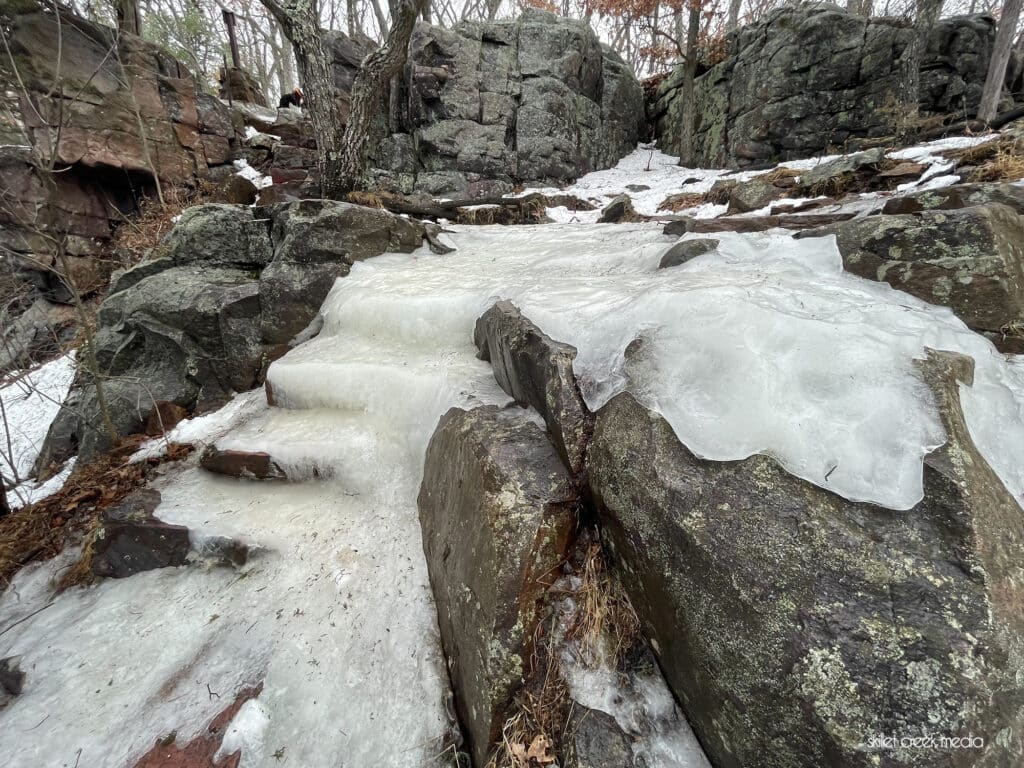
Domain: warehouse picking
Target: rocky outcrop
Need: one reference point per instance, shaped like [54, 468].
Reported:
[126, 112]
[969, 259]
[487, 104]
[120, 82]
[794, 625]
[957, 196]
[537, 372]
[497, 509]
[203, 318]
[238, 85]
[806, 79]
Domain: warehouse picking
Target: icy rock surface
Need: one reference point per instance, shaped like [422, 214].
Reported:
[763, 345]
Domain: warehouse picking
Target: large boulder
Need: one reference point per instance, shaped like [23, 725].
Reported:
[316, 242]
[969, 259]
[537, 371]
[488, 104]
[809, 78]
[796, 627]
[204, 319]
[497, 509]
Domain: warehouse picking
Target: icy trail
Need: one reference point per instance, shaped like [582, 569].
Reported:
[763, 346]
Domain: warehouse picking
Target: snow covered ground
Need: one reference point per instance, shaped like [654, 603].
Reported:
[30, 401]
[763, 345]
[648, 176]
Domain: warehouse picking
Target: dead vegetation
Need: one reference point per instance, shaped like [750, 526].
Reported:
[146, 228]
[682, 201]
[602, 627]
[40, 531]
[999, 160]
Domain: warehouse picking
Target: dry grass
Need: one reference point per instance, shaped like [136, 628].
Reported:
[40, 530]
[531, 211]
[1004, 163]
[682, 201]
[604, 627]
[367, 199]
[147, 228]
[606, 624]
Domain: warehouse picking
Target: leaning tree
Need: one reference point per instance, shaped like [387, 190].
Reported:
[341, 152]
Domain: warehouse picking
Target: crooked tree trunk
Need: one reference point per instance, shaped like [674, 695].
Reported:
[1000, 58]
[378, 67]
[341, 156]
[299, 20]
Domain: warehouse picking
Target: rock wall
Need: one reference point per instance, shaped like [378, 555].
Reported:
[485, 105]
[807, 79]
[127, 112]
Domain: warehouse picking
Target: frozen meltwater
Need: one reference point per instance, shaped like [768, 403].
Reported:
[763, 345]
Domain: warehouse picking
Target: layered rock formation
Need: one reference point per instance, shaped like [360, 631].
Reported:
[125, 113]
[806, 79]
[485, 105]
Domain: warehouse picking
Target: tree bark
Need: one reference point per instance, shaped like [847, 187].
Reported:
[910, 62]
[1000, 57]
[733, 20]
[689, 76]
[128, 19]
[346, 171]
[299, 20]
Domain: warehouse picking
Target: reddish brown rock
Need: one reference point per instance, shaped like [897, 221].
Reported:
[249, 464]
[199, 752]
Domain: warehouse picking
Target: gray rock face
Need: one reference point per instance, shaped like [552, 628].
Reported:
[487, 104]
[957, 196]
[537, 371]
[794, 625]
[497, 509]
[134, 541]
[595, 740]
[807, 78]
[203, 321]
[316, 242]
[969, 259]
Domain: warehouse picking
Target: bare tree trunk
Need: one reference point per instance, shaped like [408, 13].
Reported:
[299, 20]
[229, 24]
[859, 7]
[733, 19]
[378, 67]
[128, 18]
[5, 507]
[689, 76]
[910, 62]
[1000, 57]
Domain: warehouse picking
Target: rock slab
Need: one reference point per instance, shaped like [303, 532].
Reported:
[497, 509]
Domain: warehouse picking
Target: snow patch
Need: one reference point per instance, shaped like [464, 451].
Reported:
[31, 401]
